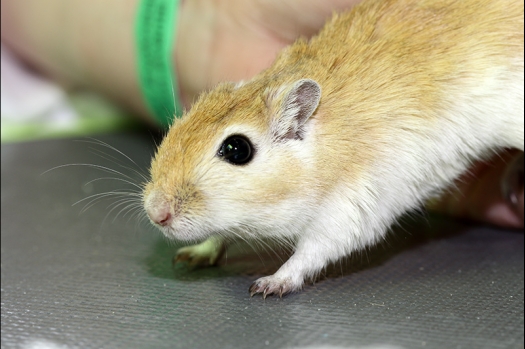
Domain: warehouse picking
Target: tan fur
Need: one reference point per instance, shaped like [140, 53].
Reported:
[393, 74]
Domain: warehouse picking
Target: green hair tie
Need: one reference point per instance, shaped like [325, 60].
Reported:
[154, 31]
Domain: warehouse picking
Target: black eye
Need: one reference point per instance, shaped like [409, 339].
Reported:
[236, 150]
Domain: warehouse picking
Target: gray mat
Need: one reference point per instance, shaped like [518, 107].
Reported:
[73, 279]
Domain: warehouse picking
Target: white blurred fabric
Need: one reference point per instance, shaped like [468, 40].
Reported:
[28, 98]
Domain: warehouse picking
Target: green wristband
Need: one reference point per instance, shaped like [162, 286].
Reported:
[154, 31]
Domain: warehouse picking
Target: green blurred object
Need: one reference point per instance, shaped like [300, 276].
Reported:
[95, 115]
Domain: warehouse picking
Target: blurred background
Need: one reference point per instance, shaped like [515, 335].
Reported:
[35, 107]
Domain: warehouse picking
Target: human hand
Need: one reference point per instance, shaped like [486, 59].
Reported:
[492, 192]
[234, 40]
[91, 43]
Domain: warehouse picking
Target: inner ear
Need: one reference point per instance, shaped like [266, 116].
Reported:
[305, 96]
[298, 104]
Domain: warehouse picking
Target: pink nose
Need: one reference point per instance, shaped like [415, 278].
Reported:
[160, 215]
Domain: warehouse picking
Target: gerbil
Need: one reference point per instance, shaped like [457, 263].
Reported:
[380, 111]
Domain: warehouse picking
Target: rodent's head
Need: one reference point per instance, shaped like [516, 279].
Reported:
[236, 163]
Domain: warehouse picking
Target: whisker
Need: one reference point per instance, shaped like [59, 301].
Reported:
[153, 138]
[131, 204]
[119, 203]
[110, 193]
[249, 243]
[264, 246]
[108, 157]
[99, 167]
[115, 179]
[99, 142]
[132, 210]
[98, 197]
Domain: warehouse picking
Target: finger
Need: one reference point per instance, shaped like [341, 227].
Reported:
[512, 185]
[478, 196]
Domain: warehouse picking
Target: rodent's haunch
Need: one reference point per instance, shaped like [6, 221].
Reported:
[380, 111]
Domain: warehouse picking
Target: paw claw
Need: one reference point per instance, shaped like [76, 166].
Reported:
[271, 285]
[253, 289]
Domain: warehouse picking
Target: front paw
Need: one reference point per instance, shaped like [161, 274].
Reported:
[274, 285]
[204, 254]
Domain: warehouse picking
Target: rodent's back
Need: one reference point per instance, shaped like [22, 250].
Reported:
[407, 42]
[396, 64]
[435, 34]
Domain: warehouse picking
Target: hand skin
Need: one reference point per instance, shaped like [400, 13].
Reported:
[92, 44]
[478, 195]
[239, 38]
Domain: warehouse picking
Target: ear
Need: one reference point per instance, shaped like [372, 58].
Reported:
[292, 106]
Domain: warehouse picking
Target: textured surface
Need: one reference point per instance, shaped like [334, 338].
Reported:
[72, 279]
